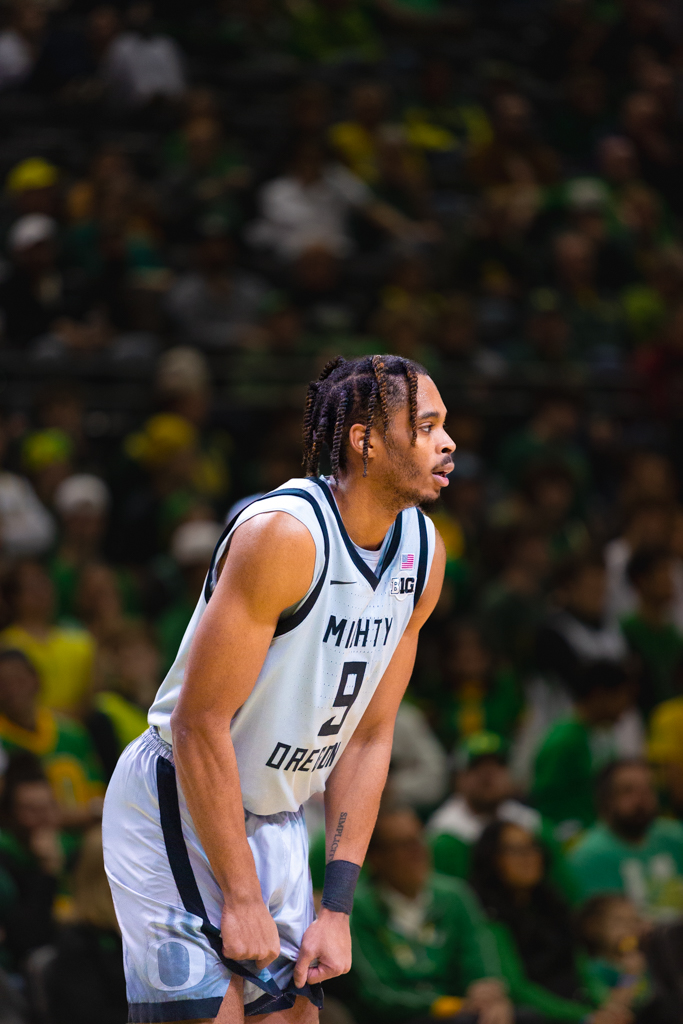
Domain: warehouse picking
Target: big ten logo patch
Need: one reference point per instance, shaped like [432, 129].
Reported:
[402, 586]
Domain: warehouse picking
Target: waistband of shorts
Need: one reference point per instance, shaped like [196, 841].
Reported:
[153, 741]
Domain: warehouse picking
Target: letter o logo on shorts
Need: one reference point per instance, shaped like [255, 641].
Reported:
[175, 964]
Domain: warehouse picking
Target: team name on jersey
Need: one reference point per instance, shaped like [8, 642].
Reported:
[303, 759]
[361, 632]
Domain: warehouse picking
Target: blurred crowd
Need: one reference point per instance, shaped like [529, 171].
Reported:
[199, 205]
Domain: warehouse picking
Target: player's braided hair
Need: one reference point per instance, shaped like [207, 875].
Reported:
[355, 391]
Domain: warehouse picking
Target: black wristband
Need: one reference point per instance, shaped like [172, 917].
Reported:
[340, 882]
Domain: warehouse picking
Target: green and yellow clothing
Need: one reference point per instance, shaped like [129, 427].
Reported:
[65, 751]
[660, 648]
[128, 719]
[447, 126]
[650, 872]
[491, 704]
[325, 35]
[454, 829]
[568, 759]
[404, 958]
[525, 992]
[63, 659]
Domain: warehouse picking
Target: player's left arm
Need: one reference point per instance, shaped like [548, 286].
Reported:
[354, 788]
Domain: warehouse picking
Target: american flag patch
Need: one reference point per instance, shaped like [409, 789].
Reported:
[407, 561]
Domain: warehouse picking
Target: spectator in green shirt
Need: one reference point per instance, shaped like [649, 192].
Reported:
[577, 746]
[632, 850]
[420, 942]
[484, 793]
[531, 924]
[649, 631]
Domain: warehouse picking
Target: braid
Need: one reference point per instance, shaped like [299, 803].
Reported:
[380, 376]
[338, 433]
[320, 433]
[330, 366]
[311, 396]
[411, 374]
[372, 405]
[355, 391]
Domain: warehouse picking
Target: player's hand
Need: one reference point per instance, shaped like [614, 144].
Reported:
[325, 949]
[249, 932]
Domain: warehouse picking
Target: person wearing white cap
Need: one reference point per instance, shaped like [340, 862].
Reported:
[33, 295]
[82, 502]
[192, 546]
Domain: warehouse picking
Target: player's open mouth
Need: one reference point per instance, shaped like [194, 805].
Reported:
[442, 472]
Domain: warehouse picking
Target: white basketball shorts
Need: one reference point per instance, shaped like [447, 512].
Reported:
[169, 904]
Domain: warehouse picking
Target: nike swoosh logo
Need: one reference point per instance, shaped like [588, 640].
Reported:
[343, 583]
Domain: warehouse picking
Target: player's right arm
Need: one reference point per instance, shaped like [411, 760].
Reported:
[269, 567]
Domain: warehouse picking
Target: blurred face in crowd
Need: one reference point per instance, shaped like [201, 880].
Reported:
[215, 254]
[368, 102]
[317, 270]
[512, 117]
[485, 784]
[470, 659]
[34, 807]
[84, 524]
[585, 594]
[308, 163]
[98, 594]
[618, 161]
[557, 421]
[631, 803]
[656, 587]
[552, 497]
[520, 859]
[549, 334]
[38, 259]
[575, 260]
[605, 705]
[34, 597]
[19, 687]
[412, 474]
[620, 924]
[398, 855]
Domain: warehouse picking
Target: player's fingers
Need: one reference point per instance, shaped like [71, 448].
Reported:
[302, 967]
[323, 972]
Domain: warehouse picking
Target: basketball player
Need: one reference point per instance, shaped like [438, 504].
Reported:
[287, 683]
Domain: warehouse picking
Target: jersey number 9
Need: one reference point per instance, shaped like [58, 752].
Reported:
[344, 699]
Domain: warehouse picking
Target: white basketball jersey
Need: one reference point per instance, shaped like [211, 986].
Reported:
[327, 656]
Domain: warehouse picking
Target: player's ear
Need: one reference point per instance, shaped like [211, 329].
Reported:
[356, 437]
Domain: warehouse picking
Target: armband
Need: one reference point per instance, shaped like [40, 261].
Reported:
[340, 883]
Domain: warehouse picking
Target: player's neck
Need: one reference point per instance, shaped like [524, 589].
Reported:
[366, 518]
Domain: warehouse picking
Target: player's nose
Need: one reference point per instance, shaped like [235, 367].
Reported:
[446, 445]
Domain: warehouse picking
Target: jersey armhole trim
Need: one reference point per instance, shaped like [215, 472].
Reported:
[422, 561]
[292, 621]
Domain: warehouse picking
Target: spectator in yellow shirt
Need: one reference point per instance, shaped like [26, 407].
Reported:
[63, 657]
[665, 750]
[62, 745]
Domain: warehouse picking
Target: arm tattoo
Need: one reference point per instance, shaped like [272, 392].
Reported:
[338, 834]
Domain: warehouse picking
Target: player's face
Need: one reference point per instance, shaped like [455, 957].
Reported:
[416, 474]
